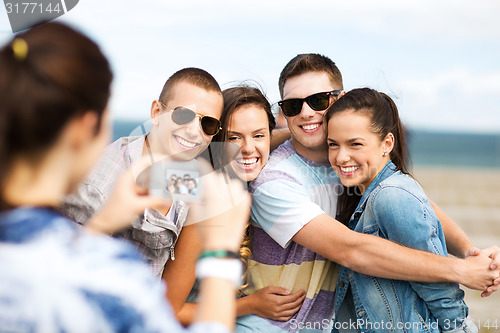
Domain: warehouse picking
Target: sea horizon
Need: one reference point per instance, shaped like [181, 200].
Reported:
[427, 147]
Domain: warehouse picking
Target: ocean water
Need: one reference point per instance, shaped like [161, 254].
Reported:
[454, 149]
[426, 147]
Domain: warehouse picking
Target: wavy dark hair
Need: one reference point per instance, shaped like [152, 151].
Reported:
[235, 98]
[384, 118]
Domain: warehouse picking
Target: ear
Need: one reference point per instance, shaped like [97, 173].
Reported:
[342, 93]
[388, 143]
[82, 130]
[155, 112]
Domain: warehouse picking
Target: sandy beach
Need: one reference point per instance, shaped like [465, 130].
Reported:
[471, 197]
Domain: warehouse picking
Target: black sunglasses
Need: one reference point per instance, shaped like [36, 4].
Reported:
[183, 116]
[318, 102]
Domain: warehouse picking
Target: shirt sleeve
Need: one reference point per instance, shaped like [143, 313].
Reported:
[82, 205]
[407, 220]
[282, 207]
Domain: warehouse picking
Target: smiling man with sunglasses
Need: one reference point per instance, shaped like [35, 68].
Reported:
[296, 241]
[185, 117]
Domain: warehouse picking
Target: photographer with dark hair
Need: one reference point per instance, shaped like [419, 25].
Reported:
[57, 276]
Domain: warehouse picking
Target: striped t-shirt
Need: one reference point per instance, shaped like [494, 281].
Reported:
[289, 192]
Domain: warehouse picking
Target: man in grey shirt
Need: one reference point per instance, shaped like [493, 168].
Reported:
[188, 96]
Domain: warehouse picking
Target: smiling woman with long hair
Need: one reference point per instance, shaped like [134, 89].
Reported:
[367, 149]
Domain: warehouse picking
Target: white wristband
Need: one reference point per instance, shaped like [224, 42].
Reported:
[228, 269]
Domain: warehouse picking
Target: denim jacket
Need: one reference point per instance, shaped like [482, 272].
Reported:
[395, 207]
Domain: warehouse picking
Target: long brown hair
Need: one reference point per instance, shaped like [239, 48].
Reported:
[235, 98]
[384, 119]
[57, 74]
[239, 96]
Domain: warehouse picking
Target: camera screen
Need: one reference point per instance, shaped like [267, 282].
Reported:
[181, 182]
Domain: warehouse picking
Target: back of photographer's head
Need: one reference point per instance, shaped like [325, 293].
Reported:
[49, 75]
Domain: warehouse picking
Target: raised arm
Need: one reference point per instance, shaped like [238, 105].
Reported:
[226, 209]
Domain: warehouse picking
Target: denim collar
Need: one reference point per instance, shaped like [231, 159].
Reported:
[388, 170]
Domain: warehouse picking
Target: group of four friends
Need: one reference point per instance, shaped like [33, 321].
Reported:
[339, 230]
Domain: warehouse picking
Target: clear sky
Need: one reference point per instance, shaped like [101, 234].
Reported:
[438, 59]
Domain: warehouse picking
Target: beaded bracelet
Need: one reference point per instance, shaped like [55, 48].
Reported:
[219, 254]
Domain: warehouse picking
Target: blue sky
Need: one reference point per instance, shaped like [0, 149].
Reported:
[438, 59]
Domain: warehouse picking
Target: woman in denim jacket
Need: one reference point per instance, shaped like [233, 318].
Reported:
[367, 149]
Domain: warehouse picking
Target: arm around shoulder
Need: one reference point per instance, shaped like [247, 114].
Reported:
[372, 255]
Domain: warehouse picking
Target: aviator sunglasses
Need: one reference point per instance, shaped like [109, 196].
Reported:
[318, 102]
[183, 116]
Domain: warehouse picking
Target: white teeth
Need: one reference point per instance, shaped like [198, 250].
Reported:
[348, 169]
[248, 161]
[310, 127]
[186, 143]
